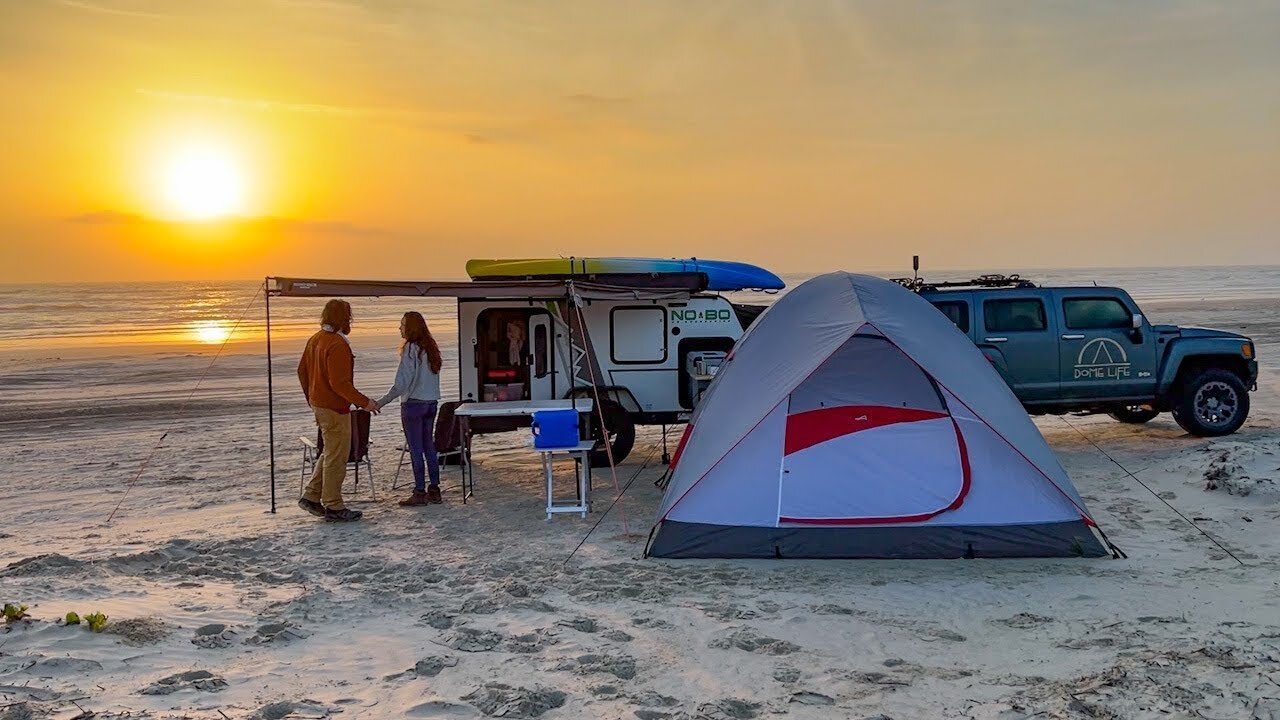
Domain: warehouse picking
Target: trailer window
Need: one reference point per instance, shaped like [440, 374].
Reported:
[540, 350]
[638, 335]
[957, 311]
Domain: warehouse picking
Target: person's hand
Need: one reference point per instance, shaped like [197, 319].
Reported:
[372, 407]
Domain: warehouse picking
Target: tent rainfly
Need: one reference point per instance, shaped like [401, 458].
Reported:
[853, 420]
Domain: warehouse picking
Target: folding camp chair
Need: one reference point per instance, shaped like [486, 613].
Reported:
[360, 444]
[446, 436]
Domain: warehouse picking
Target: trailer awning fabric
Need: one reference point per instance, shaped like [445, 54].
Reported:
[495, 290]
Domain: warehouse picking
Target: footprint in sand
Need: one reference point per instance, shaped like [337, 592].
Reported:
[62, 666]
[806, 697]
[438, 619]
[213, 636]
[619, 666]
[581, 624]
[271, 633]
[201, 680]
[1023, 620]
[728, 709]
[751, 641]
[498, 700]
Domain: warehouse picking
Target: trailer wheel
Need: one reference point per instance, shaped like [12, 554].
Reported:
[622, 433]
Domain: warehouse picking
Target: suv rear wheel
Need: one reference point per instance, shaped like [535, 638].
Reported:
[1135, 414]
[1211, 403]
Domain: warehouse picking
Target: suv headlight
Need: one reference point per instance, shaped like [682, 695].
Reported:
[1247, 350]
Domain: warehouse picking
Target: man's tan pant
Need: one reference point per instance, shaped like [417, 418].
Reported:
[331, 469]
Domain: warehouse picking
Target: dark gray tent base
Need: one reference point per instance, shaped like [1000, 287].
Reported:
[700, 540]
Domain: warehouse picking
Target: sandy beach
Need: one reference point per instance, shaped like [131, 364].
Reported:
[218, 609]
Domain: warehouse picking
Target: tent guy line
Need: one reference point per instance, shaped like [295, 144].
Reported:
[182, 408]
[1176, 511]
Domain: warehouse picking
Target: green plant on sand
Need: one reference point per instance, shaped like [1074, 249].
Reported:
[97, 621]
[72, 619]
[14, 613]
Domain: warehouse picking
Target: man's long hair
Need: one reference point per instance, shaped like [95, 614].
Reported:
[337, 315]
[416, 333]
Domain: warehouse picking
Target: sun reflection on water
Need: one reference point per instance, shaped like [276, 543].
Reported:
[211, 332]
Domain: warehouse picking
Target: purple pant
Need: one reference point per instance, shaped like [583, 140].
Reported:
[419, 420]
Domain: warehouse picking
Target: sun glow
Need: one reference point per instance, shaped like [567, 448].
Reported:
[203, 182]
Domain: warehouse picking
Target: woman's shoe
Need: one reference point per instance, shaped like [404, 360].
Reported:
[433, 495]
[417, 498]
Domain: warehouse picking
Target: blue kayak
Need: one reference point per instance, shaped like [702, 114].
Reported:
[720, 274]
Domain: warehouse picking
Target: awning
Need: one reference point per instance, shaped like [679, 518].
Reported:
[468, 289]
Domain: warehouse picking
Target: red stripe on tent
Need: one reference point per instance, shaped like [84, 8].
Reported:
[965, 483]
[806, 429]
[1083, 515]
[684, 439]
[786, 396]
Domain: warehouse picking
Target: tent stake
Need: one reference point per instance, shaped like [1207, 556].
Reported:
[271, 400]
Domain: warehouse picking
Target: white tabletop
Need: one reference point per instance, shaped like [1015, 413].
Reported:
[583, 446]
[508, 408]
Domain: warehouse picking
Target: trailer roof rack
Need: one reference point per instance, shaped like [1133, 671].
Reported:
[993, 280]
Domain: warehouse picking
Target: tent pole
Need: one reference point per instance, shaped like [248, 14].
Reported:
[271, 400]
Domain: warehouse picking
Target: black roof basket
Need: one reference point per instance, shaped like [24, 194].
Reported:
[993, 280]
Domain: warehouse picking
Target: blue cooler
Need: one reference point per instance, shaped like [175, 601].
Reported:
[554, 429]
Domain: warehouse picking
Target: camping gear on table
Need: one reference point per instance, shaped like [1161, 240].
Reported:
[853, 420]
[701, 368]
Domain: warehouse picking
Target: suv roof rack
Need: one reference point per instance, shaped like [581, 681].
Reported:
[993, 280]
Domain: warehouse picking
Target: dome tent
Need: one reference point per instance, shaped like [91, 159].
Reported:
[853, 420]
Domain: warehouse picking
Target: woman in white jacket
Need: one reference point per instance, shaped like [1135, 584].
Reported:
[418, 383]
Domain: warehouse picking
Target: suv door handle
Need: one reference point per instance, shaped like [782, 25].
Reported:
[997, 339]
[1072, 337]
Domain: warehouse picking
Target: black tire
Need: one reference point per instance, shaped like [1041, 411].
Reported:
[622, 429]
[1135, 414]
[1212, 403]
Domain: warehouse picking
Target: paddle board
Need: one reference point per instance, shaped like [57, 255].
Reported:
[721, 274]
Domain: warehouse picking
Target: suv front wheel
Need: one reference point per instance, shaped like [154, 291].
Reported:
[1211, 403]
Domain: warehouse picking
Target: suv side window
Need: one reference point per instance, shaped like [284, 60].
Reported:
[957, 311]
[1096, 314]
[1025, 314]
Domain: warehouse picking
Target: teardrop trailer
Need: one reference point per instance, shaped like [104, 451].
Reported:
[645, 342]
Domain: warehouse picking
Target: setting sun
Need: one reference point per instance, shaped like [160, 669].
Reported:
[203, 183]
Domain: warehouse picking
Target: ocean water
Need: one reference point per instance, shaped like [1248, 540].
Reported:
[58, 319]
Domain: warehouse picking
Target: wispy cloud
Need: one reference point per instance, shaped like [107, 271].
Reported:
[324, 227]
[106, 9]
[585, 114]
[276, 105]
[596, 100]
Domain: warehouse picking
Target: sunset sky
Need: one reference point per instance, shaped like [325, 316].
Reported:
[154, 139]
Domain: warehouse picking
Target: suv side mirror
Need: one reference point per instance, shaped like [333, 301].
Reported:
[1137, 321]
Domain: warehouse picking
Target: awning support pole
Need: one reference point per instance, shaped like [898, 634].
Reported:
[271, 398]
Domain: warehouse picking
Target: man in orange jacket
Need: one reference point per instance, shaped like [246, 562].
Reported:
[327, 374]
